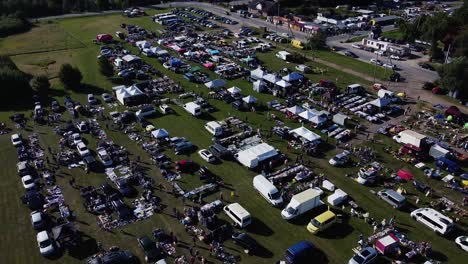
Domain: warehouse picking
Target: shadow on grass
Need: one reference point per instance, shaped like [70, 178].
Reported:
[86, 88]
[259, 227]
[85, 249]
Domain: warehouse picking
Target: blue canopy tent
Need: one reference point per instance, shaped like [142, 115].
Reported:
[216, 84]
[174, 62]
[293, 76]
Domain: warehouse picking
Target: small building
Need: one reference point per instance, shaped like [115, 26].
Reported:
[386, 46]
[263, 7]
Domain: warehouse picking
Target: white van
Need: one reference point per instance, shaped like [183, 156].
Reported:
[433, 219]
[238, 214]
[214, 128]
[193, 108]
[267, 190]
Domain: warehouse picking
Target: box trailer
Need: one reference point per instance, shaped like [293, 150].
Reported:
[411, 137]
[301, 203]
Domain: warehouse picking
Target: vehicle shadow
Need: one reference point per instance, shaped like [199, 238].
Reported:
[259, 227]
[84, 249]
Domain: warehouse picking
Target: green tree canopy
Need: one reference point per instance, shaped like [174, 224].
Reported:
[454, 76]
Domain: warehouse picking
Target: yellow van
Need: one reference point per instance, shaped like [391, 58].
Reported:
[321, 222]
[297, 44]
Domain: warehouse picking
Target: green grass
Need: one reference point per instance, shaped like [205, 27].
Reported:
[269, 229]
[343, 62]
[395, 34]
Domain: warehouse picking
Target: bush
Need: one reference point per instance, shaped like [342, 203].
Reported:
[12, 24]
[70, 76]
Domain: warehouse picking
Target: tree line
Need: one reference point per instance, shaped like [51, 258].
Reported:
[446, 34]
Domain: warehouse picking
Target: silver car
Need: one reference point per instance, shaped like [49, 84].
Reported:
[395, 199]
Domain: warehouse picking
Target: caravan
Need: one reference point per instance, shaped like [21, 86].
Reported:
[214, 128]
[267, 190]
[192, 108]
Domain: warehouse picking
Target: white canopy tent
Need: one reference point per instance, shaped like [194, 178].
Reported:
[305, 134]
[257, 74]
[252, 156]
[215, 84]
[340, 119]
[126, 95]
[249, 99]
[318, 120]
[259, 86]
[295, 109]
[385, 93]
[307, 115]
[283, 84]
[381, 102]
[271, 78]
[234, 90]
[160, 133]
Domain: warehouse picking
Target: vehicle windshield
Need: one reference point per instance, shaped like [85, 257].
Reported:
[358, 259]
[315, 223]
[45, 243]
[275, 195]
[291, 210]
[28, 181]
[82, 148]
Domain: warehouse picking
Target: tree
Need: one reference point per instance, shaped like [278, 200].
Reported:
[460, 44]
[454, 76]
[70, 76]
[317, 41]
[15, 83]
[41, 85]
[105, 67]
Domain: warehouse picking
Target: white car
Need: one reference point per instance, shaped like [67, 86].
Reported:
[76, 138]
[82, 149]
[340, 159]
[165, 109]
[92, 100]
[365, 256]
[390, 66]
[376, 62]
[395, 57]
[37, 220]
[107, 97]
[356, 46]
[45, 243]
[16, 140]
[104, 157]
[206, 156]
[462, 242]
[28, 182]
[82, 126]
[380, 52]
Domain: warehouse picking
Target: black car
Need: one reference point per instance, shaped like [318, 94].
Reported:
[109, 192]
[151, 251]
[427, 66]
[239, 105]
[114, 257]
[124, 187]
[122, 210]
[33, 199]
[55, 106]
[351, 54]
[245, 241]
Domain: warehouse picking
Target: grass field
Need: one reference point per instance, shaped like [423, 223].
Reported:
[395, 34]
[344, 61]
[269, 229]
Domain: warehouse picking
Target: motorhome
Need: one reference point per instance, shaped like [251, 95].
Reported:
[214, 128]
[193, 108]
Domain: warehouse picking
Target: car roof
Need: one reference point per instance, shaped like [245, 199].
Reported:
[41, 236]
[325, 216]
[36, 216]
